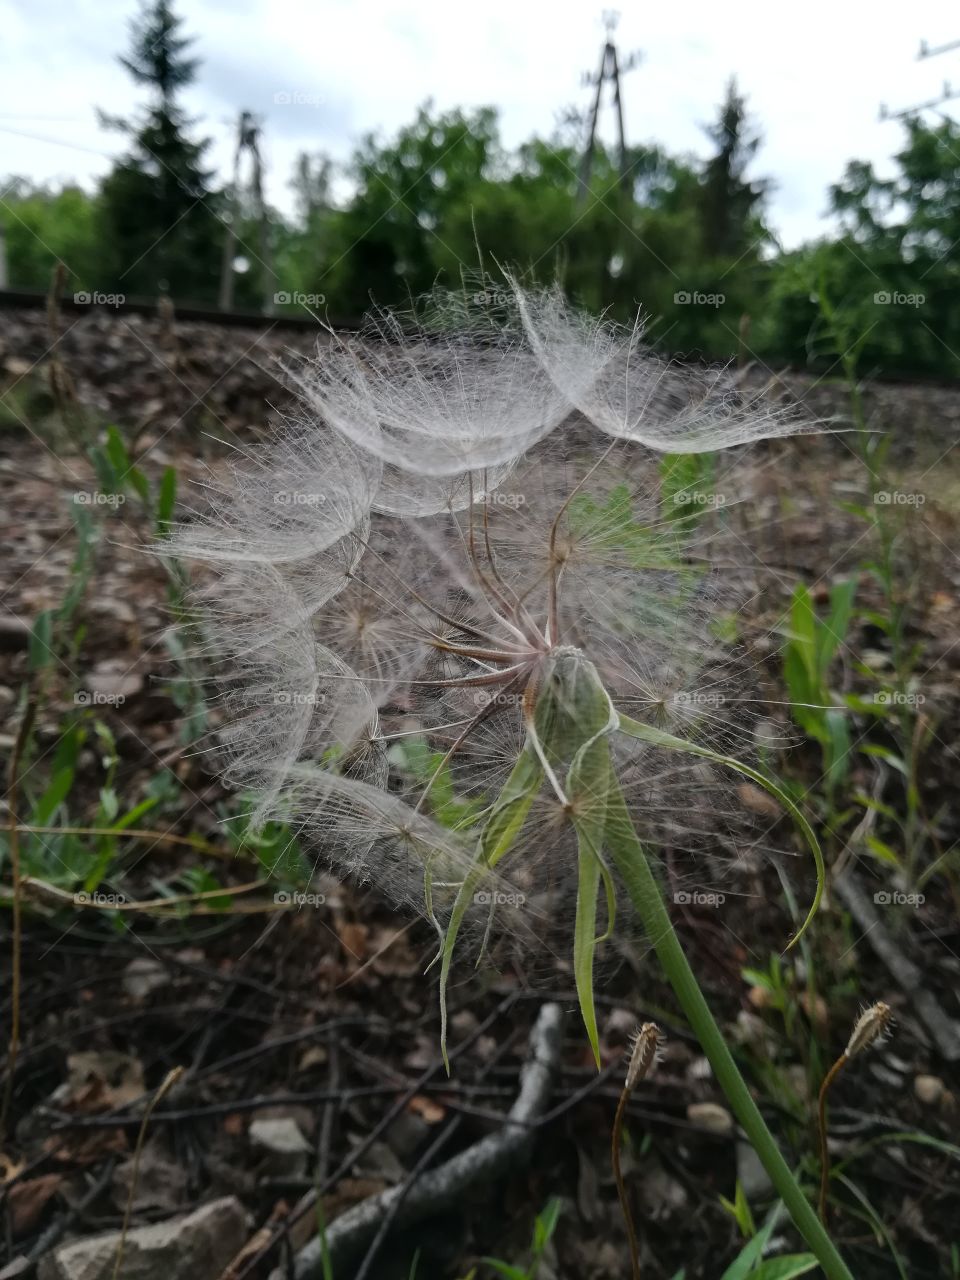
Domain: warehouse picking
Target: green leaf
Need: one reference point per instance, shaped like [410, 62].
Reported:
[882, 852]
[739, 1210]
[546, 1224]
[784, 1268]
[612, 526]
[109, 806]
[891, 758]
[588, 783]
[504, 1269]
[838, 737]
[686, 481]
[40, 651]
[117, 453]
[496, 839]
[742, 1265]
[132, 815]
[512, 806]
[141, 484]
[53, 797]
[657, 737]
[833, 632]
[166, 499]
[803, 630]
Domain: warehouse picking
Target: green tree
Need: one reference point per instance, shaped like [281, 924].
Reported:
[729, 203]
[159, 229]
[891, 278]
[44, 226]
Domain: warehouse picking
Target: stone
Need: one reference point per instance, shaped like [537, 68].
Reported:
[929, 1089]
[280, 1140]
[196, 1246]
[710, 1116]
[751, 1174]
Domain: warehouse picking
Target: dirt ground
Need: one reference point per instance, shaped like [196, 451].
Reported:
[320, 1017]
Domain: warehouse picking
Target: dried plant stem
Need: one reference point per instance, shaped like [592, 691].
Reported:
[646, 896]
[169, 1080]
[822, 1130]
[13, 1047]
[869, 1028]
[618, 1178]
[196, 843]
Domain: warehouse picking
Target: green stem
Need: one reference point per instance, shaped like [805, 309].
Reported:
[646, 896]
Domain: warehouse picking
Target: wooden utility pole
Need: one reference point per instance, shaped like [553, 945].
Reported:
[248, 142]
[609, 72]
[947, 94]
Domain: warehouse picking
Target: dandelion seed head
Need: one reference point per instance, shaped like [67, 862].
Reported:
[475, 583]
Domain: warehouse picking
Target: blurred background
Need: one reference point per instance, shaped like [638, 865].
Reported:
[283, 156]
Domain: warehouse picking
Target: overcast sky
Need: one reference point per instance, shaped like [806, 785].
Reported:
[815, 75]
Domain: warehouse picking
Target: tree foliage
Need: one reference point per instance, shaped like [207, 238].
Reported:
[685, 240]
[158, 224]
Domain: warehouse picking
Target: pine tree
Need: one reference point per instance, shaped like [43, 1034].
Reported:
[729, 204]
[160, 230]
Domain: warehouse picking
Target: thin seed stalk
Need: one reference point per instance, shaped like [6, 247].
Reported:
[644, 891]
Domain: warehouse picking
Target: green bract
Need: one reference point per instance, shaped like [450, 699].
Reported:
[568, 748]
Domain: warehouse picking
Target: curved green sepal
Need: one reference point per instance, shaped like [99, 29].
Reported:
[589, 784]
[659, 738]
[501, 829]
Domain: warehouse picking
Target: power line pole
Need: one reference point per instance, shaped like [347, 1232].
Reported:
[609, 72]
[248, 143]
[947, 94]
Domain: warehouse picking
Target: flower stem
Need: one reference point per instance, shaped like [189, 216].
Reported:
[646, 896]
[822, 1131]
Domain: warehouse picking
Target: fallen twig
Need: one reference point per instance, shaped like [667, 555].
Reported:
[444, 1186]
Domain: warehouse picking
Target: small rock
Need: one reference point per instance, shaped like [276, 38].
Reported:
[113, 685]
[619, 1027]
[751, 1174]
[193, 1247]
[700, 1069]
[283, 1144]
[379, 1162]
[710, 1116]
[315, 1056]
[929, 1089]
[143, 975]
